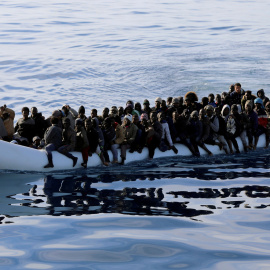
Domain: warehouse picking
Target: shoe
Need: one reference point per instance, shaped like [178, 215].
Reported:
[115, 161]
[106, 163]
[139, 150]
[84, 165]
[131, 151]
[122, 161]
[75, 161]
[49, 165]
[237, 152]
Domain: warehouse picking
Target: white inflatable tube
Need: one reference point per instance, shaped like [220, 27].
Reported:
[20, 158]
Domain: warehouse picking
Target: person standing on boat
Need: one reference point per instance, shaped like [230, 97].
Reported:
[53, 140]
[130, 135]
[68, 141]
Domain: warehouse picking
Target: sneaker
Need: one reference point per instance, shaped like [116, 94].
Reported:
[84, 165]
[49, 165]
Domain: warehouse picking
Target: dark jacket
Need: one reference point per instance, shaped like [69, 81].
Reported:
[53, 135]
[69, 138]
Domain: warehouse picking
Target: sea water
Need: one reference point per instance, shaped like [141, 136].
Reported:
[178, 213]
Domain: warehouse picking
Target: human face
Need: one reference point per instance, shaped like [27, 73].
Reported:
[153, 117]
[209, 113]
[25, 114]
[237, 89]
[93, 114]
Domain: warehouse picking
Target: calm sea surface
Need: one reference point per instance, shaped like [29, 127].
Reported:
[178, 213]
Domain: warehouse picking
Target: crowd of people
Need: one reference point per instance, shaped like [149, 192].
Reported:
[216, 120]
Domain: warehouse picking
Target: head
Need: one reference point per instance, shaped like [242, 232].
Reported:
[138, 106]
[194, 115]
[225, 110]
[231, 88]
[94, 113]
[211, 98]
[146, 104]
[260, 93]
[187, 101]
[113, 110]
[107, 123]
[105, 112]
[223, 95]
[248, 95]
[218, 98]
[202, 114]
[209, 110]
[175, 102]
[161, 116]
[65, 109]
[153, 117]
[204, 101]
[54, 120]
[128, 109]
[66, 123]
[169, 101]
[25, 112]
[163, 104]
[127, 119]
[135, 119]
[78, 124]
[234, 109]
[36, 140]
[237, 88]
[120, 110]
[144, 117]
[81, 111]
[258, 103]
[88, 123]
[34, 111]
[158, 102]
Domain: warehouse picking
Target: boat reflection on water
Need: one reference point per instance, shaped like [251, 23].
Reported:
[173, 189]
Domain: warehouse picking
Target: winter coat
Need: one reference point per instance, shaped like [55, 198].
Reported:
[53, 135]
[130, 132]
[69, 138]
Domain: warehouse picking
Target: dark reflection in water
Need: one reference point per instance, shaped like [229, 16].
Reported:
[181, 187]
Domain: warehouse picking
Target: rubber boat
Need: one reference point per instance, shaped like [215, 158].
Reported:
[15, 157]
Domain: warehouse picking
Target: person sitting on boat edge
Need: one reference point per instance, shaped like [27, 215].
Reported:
[166, 140]
[82, 143]
[93, 140]
[25, 128]
[262, 122]
[53, 140]
[8, 116]
[68, 141]
[130, 135]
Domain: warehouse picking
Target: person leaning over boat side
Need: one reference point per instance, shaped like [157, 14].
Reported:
[93, 140]
[40, 123]
[261, 95]
[253, 122]
[166, 140]
[130, 135]
[68, 141]
[25, 127]
[71, 114]
[82, 143]
[53, 140]
[8, 116]
[262, 122]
